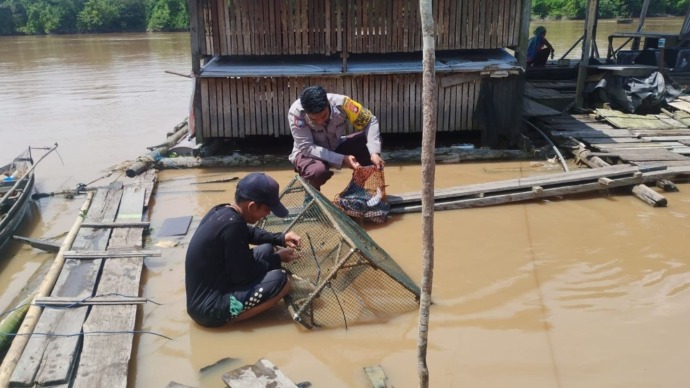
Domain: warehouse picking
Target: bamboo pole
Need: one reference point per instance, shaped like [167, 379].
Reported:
[44, 289]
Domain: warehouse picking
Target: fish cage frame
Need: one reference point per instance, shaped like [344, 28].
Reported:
[360, 281]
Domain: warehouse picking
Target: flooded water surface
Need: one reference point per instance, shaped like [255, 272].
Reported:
[584, 291]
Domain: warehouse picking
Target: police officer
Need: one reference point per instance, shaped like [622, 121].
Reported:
[318, 122]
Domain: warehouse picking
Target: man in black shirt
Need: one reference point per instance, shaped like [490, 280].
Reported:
[226, 280]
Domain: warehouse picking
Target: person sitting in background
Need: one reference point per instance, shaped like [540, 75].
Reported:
[539, 48]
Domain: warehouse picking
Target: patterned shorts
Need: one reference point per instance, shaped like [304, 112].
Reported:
[265, 289]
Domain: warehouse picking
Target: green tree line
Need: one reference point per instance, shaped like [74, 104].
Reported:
[33, 17]
[87, 16]
[575, 9]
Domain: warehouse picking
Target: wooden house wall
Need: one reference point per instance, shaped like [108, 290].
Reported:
[239, 107]
[286, 27]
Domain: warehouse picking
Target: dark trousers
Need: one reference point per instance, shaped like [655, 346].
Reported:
[541, 57]
[317, 172]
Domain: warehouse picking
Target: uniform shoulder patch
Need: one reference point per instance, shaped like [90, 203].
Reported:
[299, 121]
[358, 116]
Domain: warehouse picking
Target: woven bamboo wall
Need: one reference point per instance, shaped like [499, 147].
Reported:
[239, 107]
[284, 27]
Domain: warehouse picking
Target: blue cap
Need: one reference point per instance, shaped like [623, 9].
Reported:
[263, 189]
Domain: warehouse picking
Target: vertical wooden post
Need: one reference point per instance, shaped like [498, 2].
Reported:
[196, 35]
[590, 22]
[643, 15]
[524, 32]
[429, 123]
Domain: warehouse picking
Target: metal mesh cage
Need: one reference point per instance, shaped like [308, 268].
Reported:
[342, 276]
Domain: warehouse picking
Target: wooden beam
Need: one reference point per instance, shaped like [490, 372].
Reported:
[525, 17]
[649, 196]
[110, 254]
[115, 225]
[96, 300]
[590, 24]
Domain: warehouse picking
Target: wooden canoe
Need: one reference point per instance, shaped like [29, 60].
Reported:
[16, 185]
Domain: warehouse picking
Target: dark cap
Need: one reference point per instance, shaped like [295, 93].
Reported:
[263, 189]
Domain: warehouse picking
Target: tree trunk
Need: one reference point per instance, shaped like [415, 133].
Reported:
[429, 105]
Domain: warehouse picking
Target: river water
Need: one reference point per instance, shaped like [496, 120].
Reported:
[566, 292]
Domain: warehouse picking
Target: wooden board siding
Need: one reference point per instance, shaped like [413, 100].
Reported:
[290, 27]
[239, 107]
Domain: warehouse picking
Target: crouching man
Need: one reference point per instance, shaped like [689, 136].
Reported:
[226, 280]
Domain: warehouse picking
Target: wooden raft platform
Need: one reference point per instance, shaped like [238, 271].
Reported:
[85, 333]
[633, 150]
[536, 187]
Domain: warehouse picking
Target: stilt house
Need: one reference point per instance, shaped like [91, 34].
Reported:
[251, 60]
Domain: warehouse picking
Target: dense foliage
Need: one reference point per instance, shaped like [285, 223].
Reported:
[575, 9]
[77, 16]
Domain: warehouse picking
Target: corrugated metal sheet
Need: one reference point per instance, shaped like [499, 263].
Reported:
[309, 66]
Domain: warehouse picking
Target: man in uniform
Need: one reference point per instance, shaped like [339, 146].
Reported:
[318, 122]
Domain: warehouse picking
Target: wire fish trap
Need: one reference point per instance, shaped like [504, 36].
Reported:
[343, 276]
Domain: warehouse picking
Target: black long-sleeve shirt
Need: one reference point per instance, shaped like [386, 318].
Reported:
[220, 260]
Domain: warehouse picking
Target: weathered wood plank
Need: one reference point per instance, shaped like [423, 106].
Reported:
[105, 359]
[112, 254]
[661, 132]
[649, 196]
[643, 155]
[96, 300]
[591, 133]
[547, 192]
[97, 225]
[482, 189]
[50, 360]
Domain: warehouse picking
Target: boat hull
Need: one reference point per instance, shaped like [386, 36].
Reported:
[14, 208]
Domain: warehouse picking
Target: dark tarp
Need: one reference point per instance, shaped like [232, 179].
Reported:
[636, 94]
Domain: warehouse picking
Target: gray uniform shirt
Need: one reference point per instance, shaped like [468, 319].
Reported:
[319, 141]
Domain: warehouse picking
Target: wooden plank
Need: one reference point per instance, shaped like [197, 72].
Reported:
[143, 224]
[605, 140]
[61, 324]
[222, 33]
[377, 377]
[661, 132]
[97, 300]
[111, 254]
[649, 196]
[665, 138]
[583, 175]
[643, 155]
[636, 145]
[49, 360]
[105, 359]
[548, 192]
[518, 197]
